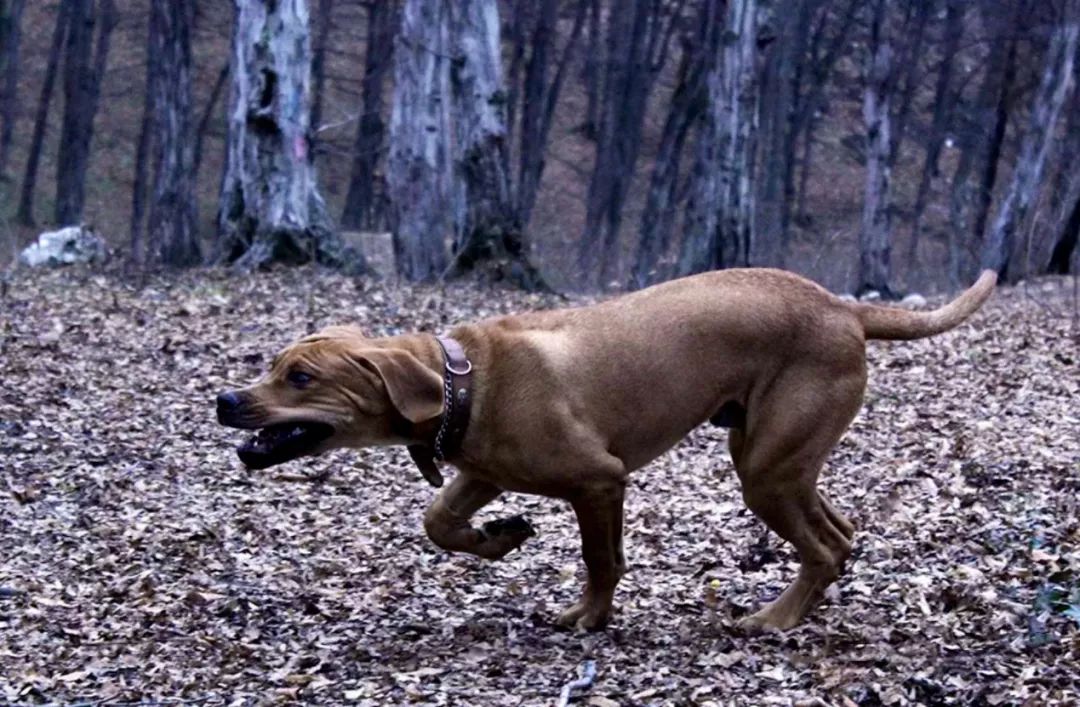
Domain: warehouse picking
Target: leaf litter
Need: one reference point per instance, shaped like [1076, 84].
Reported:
[139, 562]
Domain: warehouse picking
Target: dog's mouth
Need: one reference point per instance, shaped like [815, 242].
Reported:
[277, 444]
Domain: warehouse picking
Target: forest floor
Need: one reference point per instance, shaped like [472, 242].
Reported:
[140, 563]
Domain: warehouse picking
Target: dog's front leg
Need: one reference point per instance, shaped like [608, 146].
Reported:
[600, 517]
[447, 521]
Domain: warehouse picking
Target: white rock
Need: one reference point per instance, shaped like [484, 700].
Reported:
[870, 296]
[67, 246]
[914, 300]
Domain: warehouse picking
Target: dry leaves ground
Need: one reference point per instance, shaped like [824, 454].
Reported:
[140, 562]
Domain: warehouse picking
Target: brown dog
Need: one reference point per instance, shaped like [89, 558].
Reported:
[567, 403]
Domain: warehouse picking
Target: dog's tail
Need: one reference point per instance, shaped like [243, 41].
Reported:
[893, 323]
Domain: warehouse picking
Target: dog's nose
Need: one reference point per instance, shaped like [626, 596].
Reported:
[228, 403]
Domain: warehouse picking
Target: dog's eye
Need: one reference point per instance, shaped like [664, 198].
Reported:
[299, 379]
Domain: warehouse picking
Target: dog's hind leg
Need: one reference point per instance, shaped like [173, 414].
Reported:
[778, 464]
[600, 516]
[447, 521]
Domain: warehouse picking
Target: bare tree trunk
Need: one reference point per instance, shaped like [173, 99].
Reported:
[84, 70]
[976, 134]
[486, 225]
[361, 209]
[1023, 192]
[942, 117]
[323, 23]
[780, 84]
[10, 45]
[519, 21]
[207, 116]
[418, 169]
[996, 145]
[636, 48]
[1065, 195]
[539, 100]
[813, 78]
[172, 213]
[25, 214]
[910, 59]
[874, 245]
[270, 208]
[591, 71]
[719, 222]
[137, 243]
[482, 208]
[687, 106]
[1065, 247]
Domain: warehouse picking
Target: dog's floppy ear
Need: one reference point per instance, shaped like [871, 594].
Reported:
[415, 390]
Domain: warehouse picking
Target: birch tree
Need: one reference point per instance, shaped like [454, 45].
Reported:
[270, 208]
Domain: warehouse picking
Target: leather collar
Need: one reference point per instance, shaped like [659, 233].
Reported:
[457, 405]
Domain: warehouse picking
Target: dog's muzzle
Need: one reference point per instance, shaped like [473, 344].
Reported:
[229, 406]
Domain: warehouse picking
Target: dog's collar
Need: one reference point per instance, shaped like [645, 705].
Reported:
[457, 404]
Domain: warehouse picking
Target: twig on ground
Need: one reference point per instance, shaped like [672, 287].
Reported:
[588, 674]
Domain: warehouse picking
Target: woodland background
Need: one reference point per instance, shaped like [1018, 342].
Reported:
[879, 145]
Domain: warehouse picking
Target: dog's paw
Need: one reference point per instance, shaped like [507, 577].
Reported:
[515, 526]
[499, 537]
[583, 616]
[764, 622]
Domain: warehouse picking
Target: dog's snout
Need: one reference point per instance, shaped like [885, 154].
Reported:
[228, 405]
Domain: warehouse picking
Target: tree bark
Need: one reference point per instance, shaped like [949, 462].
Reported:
[1065, 247]
[636, 46]
[1023, 192]
[910, 59]
[942, 118]
[719, 223]
[10, 46]
[874, 239]
[486, 224]
[84, 70]
[208, 114]
[418, 171]
[323, 23]
[270, 208]
[362, 210]
[996, 145]
[687, 105]
[591, 71]
[813, 78]
[539, 100]
[173, 218]
[977, 134]
[781, 82]
[25, 215]
[137, 243]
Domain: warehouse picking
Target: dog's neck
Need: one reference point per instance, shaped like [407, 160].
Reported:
[441, 438]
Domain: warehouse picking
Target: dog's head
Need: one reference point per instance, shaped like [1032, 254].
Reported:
[332, 389]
